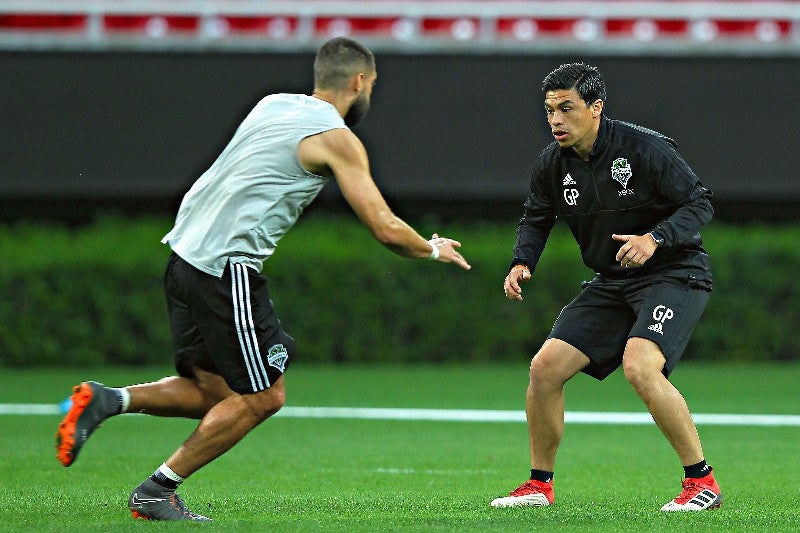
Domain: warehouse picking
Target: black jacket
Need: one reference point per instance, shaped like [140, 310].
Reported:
[634, 182]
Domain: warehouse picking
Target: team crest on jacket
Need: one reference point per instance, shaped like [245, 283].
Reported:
[621, 173]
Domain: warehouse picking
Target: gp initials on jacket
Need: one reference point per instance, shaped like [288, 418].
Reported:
[571, 196]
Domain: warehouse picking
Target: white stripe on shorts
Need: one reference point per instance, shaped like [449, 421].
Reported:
[245, 328]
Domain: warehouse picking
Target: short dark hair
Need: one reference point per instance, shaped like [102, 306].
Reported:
[338, 60]
[584, 78]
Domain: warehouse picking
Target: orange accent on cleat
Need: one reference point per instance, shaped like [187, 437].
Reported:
[65, 435]
[139, 516]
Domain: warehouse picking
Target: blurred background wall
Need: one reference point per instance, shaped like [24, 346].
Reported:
[124, 103]
[116, 106]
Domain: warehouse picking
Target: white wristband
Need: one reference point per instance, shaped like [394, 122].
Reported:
[434, 252]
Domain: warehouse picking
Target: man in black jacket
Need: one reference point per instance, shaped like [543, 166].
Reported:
[635, 208]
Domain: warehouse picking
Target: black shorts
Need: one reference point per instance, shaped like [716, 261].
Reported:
[662, 307]
[226, 325]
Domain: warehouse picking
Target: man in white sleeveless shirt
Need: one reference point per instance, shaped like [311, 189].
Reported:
[230, 349]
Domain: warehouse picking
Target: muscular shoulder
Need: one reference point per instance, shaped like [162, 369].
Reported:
[336, 141]
[323, 152]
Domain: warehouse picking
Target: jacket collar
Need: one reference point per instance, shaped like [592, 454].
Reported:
[603, 135]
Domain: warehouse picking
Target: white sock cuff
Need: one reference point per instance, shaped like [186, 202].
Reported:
[169, 474]
[126, 399]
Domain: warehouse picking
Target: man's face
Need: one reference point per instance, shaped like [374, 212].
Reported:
[360, 106]
[572, 123]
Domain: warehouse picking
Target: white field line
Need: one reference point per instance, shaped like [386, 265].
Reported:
[468, 415]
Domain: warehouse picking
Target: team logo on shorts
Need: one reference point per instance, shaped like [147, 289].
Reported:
[621, 172]
[661, 314]
[277, 357]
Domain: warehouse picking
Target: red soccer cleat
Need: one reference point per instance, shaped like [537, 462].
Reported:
[698, 494]
[532, 493]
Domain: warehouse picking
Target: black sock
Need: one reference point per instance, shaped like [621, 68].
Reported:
[700, 469]
[164, 481]
[541, 475]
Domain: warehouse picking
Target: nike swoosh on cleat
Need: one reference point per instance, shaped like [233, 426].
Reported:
[136, 500]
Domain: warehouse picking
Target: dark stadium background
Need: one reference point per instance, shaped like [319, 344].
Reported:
[449, 133]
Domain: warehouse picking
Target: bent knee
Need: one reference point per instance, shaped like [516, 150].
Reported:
[634, 372]
[266, 403]
[278, 401]
[556, 362]
[642, 361]
[542, 367]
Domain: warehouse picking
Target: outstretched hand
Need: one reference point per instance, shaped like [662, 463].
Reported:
[636, 250]
[447, 251]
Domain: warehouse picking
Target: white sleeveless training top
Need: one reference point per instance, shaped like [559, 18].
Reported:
[256, 189]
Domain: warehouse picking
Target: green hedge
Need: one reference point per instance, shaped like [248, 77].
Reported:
[94, 295]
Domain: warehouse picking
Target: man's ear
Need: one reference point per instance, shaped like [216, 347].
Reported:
[597, 108]
[357, 82]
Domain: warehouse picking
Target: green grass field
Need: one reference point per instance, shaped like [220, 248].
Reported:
[296, 474]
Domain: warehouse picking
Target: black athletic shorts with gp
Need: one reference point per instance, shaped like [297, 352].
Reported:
[663, 307]
[226, 325]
